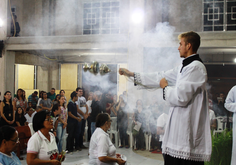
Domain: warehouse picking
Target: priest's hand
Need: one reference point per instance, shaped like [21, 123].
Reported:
[163, 83]
[126, 72]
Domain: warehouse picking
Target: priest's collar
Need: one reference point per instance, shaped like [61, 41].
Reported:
[190, 59]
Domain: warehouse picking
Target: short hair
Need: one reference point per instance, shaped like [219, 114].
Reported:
[73, 94]
[62, 90]
[193, 38]
[6, 132]
[53, 89]
[77, 89]
[36, 92]
[39, 119]
[101, 119]
[55, 107]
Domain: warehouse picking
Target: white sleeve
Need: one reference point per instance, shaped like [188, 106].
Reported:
[34, 144]
[193, 80]
[103, 146]
[153, 79]
[230, 103]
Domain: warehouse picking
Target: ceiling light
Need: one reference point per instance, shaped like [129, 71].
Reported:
[137, 16]
[235, 60]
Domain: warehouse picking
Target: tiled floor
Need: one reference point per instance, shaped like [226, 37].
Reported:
[81, 158]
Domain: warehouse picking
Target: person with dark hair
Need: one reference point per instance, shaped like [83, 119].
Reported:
[33, 98]
[56, 110]
[82, 109]
[105, 102]
[51, 95]
[42, 147]
[30, 115]
[6, 110]
[62, 93]
[56, 100]
[46, 103]
[122, 121]
[113, 104]
[20, 117]
[62, 123]
[139, 116]
[72, 124]
[187, 138]
[9, 142]
[40, 97]
[101, 149]
[96, 109]
[19, 100]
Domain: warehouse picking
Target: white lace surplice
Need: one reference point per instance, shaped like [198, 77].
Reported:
[187, 134]
[230, 105]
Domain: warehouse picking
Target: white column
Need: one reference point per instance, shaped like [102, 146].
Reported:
[9, 60]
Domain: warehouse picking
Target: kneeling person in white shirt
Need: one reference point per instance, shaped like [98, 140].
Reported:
[101, 149]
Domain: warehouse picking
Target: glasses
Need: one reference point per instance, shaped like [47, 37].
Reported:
[16, 141]
[49, 119]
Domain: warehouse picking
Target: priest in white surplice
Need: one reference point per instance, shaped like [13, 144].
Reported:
[230, 105]
[187, 138]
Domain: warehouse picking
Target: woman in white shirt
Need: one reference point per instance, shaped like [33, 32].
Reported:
[42, 146]
[101, 149]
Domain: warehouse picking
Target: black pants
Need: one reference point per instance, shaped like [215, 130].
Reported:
[71, 129]
[123, 135]
[81, 140]
[169, 160]
[140, 140]
[89, 128]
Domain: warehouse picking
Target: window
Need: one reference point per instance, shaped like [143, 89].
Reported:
[101, 17]
[219, 15]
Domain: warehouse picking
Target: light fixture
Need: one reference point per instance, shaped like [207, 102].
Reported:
[235, 60]
[137, 16]
[1, 22]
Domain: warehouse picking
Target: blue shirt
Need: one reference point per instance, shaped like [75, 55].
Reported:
[9, 160]
[32, 101]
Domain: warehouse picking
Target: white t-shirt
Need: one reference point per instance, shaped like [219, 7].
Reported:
[212, 115]
[40, 145]
[100, 145]
[81, 102]
[89, 102]
[161, 122]
[30, 119]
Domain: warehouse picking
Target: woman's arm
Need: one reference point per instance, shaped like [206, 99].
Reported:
[25, 105]
[18, 123]
[33, 160]
[118, 106]
[14, 104]
[110, 159]
[45, 108]
[14, 115]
